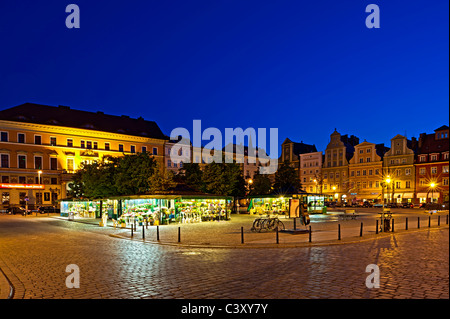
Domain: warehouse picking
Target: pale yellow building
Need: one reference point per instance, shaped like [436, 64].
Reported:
[42, 146]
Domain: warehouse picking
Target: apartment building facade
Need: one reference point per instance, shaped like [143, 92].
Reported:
[41, 147]
[432, 167]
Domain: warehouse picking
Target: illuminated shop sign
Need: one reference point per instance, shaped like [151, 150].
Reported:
[23, 186]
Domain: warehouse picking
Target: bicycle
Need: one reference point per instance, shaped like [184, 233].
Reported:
[272, 223]
[257, 223]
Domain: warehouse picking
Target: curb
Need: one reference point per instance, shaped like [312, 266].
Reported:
[6, 287]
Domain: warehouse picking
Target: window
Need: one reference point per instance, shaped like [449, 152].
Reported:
[38, 162]
[54, 181]
[358, 173]
[361, 151]
[422, 182]
[88, 145]
[445, 169]
[70, 165]
[364, 172]
[82, 144]
[434, 157]
[120, 147]
[53, 163]
[22, 161]
[133, 149]
[368, 150]
[352, 173]
[407, 171]
[370, 172]
[22, 180]
[169, 163]
[20, 138]
[422, 158]
[361, 160]
[155, 151]
[368, 159]
[107, 146]
[445, 181]
[53, 141]
[434, 170]
[69, 142]
[4, 160]
[422, 171]
[5, 198]
[37, 139]
[446, 156]
[4, 136]
[5, 179]
[95, 145]
[407, 184]
[398, 184]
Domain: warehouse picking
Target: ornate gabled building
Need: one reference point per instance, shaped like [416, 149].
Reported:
[365, 172]
[432, 166]
[335, 178]
[41, 146]
[398, 166]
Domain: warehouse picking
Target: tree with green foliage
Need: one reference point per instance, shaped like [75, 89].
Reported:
[191, 175]
[287, 180]
[261, 185]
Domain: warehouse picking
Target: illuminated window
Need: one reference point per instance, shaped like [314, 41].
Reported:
[120, 147]
[107, 146]
[69, 142]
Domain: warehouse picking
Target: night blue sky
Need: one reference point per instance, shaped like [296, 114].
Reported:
[305, 67]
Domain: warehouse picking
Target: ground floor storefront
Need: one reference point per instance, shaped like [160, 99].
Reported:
[152, 210]
[28, 195]
[276, 204]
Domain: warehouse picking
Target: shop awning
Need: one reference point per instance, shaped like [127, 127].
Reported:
[428, 195]
[408, 195]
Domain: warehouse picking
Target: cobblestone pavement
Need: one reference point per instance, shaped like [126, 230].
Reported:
[34, 253]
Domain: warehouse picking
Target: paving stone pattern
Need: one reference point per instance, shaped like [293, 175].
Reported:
[34, 253]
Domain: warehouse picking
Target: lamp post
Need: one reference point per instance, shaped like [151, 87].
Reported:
[388, 182]
[39, 177]
[432, 186]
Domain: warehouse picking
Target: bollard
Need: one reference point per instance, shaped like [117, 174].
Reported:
[157, 233]
[361, 230]
[310, 234]
[447, 220]
[242, 235]
[392, 227]
[179, 234]
[406, 225]
[376, 230]
[439, 220]
[429, 221]
[131, 230]
[418, 222]
[339, 231]
[143, 231]
[277, 236]
[295, 224]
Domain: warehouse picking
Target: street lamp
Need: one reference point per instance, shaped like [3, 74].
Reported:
[432, 185]
[39, 177]
[388, 182]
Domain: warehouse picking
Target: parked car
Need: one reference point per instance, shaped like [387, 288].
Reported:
[392, 205]
[17, 210]
[367, 204]
[48, 209]
[407, 205]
